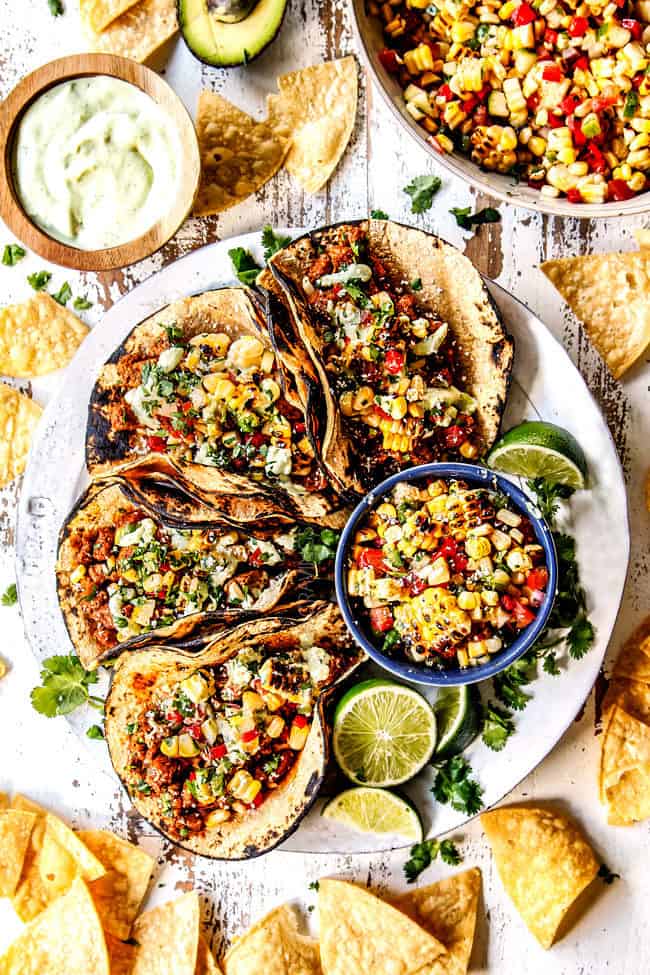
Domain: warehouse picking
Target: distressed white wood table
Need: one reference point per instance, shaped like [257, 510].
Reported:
[42, 757]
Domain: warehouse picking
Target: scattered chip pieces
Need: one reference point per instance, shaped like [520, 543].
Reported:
[633, 662]
[238, 154]
[19, 416]
[361, 933]
[139, 32]
[609, 293]
[625, 769]
[67, 939]
[544, 863]
[15, 832]
[447, 910]
[167, 938]
[317, 106]
[632, 695]
[274, 946]
[98, 14]
[119, 893]
[38, 337]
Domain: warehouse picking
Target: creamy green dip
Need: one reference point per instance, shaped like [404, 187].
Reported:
[96, 162]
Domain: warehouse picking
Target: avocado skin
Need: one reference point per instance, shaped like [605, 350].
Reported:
[240, 49]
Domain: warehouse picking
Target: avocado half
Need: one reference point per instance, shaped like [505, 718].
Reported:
[227, 33]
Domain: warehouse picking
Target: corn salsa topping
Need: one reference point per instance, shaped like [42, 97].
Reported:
[554, 92]
[446, 574]
[220, 403]
[138, 575]
[216, 745]
[391, 364]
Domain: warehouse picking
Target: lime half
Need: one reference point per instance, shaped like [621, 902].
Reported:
[384, 733]
[457, 712]
[375, 811]
[539, 449]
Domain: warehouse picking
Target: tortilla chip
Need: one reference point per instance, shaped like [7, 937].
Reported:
[609, 294]
[15, 832]
[632, 695]
[318, 107]
[121, 955]
[625, 769]
[205, 963]
[544, 863]
[118, 895]
[633, 661]
[38, 336]
[447, 910]
[19, 416]
[274, 946]
[98, 14]
[139, 32]
[361, 933]
[67, 939]
[238, 154]
[4, 800]
[167, 938]
[27, 805]
[642, 239]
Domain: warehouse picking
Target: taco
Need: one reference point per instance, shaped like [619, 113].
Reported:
[413, 358]
[224, 751]
[126, 577]
[199, 392]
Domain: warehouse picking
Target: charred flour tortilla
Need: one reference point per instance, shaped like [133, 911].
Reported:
[200, 741]
[413, 357]
[200, 390]
[126, 577]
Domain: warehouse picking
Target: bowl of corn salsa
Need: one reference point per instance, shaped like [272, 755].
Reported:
[542, 103]
[445, 574]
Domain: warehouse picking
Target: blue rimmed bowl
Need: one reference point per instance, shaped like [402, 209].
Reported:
[478, 476]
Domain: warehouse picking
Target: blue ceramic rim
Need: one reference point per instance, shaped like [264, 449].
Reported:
[474, 474]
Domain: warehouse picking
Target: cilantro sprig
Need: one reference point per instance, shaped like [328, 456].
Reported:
[272, 242]
[455, 786]
[12, 253]
[468, 220]
[64, 294]
[422, 190]
[423, 854]
[39, 280]
[317, 546]
[245, 265]
[379, 215]
[10, 595]
[497, 726]
[508, 684]
[56, 7]
[65, 687]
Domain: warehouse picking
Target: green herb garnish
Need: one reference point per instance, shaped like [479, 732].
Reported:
[423, 854]
[12, 254]
[64, 294]
[81, 303]
[244, 264]
[454, 785]
[379, 215]
[317, 546]
[10, 595]
[422, 190]
[65, 687]
[497, 727]
[56, 7]
[467, 220]
[272, 242]
[95, 732]
[39, 280]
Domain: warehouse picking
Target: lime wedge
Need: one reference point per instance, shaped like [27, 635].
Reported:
[375, 811]
[457, 712]
[384, 733]
[540, 449]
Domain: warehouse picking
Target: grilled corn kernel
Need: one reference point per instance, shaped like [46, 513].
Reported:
[518, 561]
[169, 747]
[275, 726]
[216, 818]
[196, 687]
[251, 701]
[468, 450]
[477, 548]
[77, 574]
[187, 747]
[218, 386]
[298, 737]
[490, 597]
[468, 600]
[387, 511]
[363, 398]
[418, 59]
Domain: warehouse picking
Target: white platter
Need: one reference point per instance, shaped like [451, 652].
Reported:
[546, 386]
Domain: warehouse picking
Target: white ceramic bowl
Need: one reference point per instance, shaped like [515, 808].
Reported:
[371, 41]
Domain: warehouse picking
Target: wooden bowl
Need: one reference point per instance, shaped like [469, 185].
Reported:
[79, 66]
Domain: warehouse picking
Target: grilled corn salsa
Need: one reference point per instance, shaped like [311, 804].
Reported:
[217, 744]
[391, 365]
[219, 403]
[139, 575]
[555, 92]
[445, 573]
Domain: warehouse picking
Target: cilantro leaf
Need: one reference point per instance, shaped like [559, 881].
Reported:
[315, 546]
[422, 190]
[12, 254]
[550, 664]
[81, 303]
[453, 784]
[10, 595]
[244, 265]
[467, 220]
[416, 284]
[272, 242]
[56, 7]
[314, 885]
[423, 854]
[64, 294]
[39, 280]
[507, 685]
[606, 874]
[580, 638]
[379, 215]
[497, 727]
[65, 686]
[548, 496]
[95, 732]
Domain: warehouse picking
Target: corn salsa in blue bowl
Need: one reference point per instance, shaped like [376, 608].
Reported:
[446, 574]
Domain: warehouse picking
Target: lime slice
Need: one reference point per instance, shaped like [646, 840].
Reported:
[457, 712]
[375, 811]
[384, 733]
[539, 449]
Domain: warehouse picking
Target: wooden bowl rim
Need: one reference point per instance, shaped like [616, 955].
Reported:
[35, 84]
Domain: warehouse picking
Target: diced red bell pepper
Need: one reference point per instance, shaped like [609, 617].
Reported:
[537, 578]
[484, 92]
[554, 121]
[448, 548]
[578, 26]
[550, 37]
[523, 616]
[552, 72]
[218, 751]
[595, 159]
[175, 717]
[601, 102]
[637, 80]
[382, 413]
[394, 361]
[469, 104]
[381, 619]
[533, 101]
[618, 190]
[446, 92]
[573, 196]
[157, 444]
[257, 439]
[459, 562]
[634, 26]
[575, 127]
[300, 721]
[507, 602]
[247, 736]
[128, 610]
[570, 103]
[524, 14]
[259, 799]
[161, 594]
[373, 558]
[455, 436]
[417, 586]
[389, 60]
[255, 558]
[582, 63]
[194, 730]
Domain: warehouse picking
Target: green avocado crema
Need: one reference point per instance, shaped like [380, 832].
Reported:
[96, 162]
